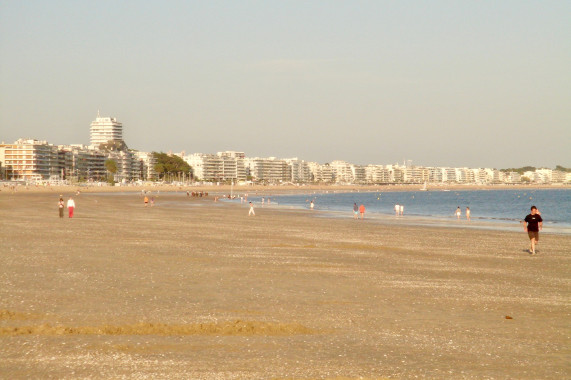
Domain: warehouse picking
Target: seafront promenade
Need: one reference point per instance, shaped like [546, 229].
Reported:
[193, 288]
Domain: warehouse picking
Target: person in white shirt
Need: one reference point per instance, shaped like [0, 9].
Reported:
[70, 206]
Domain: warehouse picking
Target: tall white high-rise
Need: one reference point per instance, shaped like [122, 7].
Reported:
[104, 129]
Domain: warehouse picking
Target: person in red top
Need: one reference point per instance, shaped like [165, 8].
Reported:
[362, 211]
[532, 224]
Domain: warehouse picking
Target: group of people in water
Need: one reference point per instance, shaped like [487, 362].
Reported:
[459, 213]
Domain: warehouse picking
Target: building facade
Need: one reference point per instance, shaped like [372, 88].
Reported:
[105, 129]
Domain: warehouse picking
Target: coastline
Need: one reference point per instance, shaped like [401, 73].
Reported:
[204, 291]
[264, 189]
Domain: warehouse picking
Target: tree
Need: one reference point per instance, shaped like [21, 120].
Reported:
[114, 145]
[171, 165]
[111, 167]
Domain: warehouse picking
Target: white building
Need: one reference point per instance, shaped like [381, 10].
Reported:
[144, 166]
[343, 171]
[321, 173]
[220, 167]
[377, 174]
[104, 129]
[271, 169]
[298, 170]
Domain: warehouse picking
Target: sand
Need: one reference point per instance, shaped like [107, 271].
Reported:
[191, 288]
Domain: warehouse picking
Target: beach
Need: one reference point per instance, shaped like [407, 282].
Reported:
[193, 288]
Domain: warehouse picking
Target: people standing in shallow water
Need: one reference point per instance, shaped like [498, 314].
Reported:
[532, 224]
[61, 206]
[355, 211]
[362, 211]
[468, 213]
[397, 210]
[458, 213]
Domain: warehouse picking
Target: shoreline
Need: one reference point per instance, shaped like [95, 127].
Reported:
[204, 291]
[266, 189]
[488, 224]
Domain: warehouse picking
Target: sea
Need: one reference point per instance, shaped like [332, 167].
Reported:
[492, 209]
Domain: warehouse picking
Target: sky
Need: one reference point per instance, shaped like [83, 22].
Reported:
[441, 83]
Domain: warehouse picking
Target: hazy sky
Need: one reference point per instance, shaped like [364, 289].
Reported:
[447, 83]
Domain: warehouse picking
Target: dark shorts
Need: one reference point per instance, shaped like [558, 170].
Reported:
[533, 235]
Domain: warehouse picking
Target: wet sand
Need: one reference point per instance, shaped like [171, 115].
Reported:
[191, 288]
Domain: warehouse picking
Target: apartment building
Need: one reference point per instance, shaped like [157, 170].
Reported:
[299, 171]
[220, 167]
[343, 171]
[83, 163]
[377, 174]
[321, 173]
[105, 129]
[144, 166]
[269, 170]
[414, 174]
[233, 167]
[30, 160]
[359, 174]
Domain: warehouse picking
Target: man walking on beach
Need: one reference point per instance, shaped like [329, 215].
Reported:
[70, 206]
[397, 210]
[534, 224]
[251, 212]
[355, 211]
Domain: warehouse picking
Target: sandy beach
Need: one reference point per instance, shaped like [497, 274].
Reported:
[196, 289]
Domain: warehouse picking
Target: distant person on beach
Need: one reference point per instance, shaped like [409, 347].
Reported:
[355, 211]
[468, 213]
[362, 211]
[61, 206]
[251, 212]
[458, 212]
[70, 207]
[311, 205]
[532, 224]
[146, 200]
[397, 210]
[152, 201]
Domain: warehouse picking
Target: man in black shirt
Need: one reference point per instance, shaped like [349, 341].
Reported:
[534, 224]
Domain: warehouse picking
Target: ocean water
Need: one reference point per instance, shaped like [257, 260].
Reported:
[506, 207]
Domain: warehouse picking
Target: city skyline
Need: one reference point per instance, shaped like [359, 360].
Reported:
[446, 84]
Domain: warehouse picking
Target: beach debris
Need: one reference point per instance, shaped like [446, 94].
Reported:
[508, 317]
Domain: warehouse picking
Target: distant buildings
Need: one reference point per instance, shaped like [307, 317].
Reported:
[34, 160]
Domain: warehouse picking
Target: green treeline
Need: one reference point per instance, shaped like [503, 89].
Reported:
[170, 164]
[532, 169]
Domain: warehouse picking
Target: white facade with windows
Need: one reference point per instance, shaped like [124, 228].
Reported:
[104, 129]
